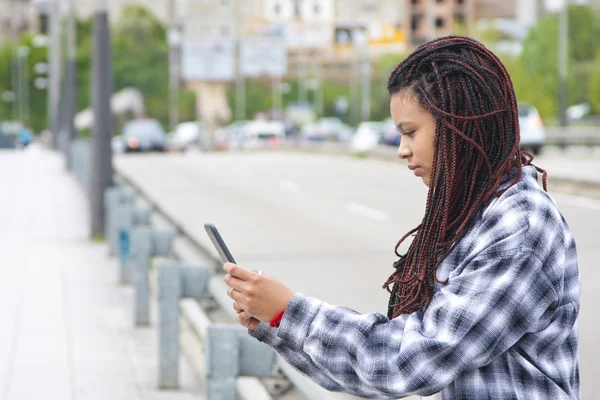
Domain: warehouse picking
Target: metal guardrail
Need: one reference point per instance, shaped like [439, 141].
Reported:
[573, 136]
[230, 352]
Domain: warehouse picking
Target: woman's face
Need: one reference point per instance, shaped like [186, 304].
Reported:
[417, 130]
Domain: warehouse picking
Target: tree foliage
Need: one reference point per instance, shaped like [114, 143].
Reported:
[535, 73]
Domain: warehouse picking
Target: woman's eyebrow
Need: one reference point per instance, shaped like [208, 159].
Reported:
[401, 124]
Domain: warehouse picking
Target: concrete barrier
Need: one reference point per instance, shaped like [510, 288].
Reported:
[175, 281]
[147, 243]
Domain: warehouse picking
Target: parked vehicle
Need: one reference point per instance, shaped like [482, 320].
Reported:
[327, 130]
[391, 136]
[231, 137]
[533, 134]
[143, 135]
[367, 136]
[259, 134]
[187, 135]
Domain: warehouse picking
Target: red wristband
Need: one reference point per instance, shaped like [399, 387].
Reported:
[277, 320]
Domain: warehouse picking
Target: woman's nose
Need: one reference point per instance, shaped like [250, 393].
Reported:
[403, 150]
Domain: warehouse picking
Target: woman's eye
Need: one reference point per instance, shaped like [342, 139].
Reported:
[408, 133]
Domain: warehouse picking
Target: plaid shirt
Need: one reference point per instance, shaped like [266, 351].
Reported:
[503, 327]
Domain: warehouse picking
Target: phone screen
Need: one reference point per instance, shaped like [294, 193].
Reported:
[219, 243]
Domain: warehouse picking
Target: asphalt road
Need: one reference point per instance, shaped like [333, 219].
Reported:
[327, 225]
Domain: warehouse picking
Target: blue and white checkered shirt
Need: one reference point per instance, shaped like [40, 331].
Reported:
[503, 327]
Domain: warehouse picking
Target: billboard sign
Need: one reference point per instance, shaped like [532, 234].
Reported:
[263, 56]
[208, 58]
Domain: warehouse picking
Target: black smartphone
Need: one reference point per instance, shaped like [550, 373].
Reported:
[219, 243]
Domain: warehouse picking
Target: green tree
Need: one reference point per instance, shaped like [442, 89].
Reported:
[38, 98]
[594, 86]
[536, 75]
[140, 59]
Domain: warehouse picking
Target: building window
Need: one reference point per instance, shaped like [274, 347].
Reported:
[369, 5]
[224, 30]
[224, 3]
[459, 18]
[439, 22]
[317, 9]
[277, 9]
[297, 9]
[414, 23]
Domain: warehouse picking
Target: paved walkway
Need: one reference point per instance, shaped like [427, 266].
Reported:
[67, 327]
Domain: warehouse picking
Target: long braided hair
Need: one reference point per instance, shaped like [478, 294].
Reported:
[470, 94]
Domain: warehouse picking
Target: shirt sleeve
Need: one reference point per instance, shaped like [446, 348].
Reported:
[479, 314]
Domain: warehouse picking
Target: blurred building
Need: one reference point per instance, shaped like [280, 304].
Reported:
[428, 19]
[159, 8]
[18, 16]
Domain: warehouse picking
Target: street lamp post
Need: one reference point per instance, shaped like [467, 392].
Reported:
[563, 54]
[55, 76]
[70, 91]
[174, 39]
[102, 169]
[23, 83]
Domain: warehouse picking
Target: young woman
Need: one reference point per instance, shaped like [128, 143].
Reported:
[484, 303]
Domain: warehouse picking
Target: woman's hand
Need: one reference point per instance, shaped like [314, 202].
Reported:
[245, 319]
[260, 296]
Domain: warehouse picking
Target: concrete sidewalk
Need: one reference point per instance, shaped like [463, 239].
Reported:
[67, 327]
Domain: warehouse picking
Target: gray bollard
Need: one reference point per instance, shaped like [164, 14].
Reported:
[230, 353]
[146, 243]
[175, 281]
[115, 199]
[129, 217]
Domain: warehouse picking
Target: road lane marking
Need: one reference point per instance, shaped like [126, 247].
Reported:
[290, 186]
[368, 212]
[577, 201]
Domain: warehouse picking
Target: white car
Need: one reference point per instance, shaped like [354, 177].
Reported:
[367, 136]
[533, 135]
[186, 136]
[263, 134]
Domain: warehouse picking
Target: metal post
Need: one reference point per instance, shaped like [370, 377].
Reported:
[354, 90]
[14, 60]
[54, 88]
[222, 361]
[230, 353]
[563, 55]
[25, 93]
[319, 96]
[71, 83]
[19, 91]
[175, 281]
[142, 242]
[366, 86]
[301, 66]
[102, 170]
[169, 293]
[240, 79]
[135, 217]
[147, 242]
[175, 35]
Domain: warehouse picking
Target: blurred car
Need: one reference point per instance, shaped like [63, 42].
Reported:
[231, 137]
[327, 129]
[187, 135]
[391, 136]
[261, 134]
[367, 136]
[533, 134]
[143, 135]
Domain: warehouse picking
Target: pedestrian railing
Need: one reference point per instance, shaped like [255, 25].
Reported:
[229, 351]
